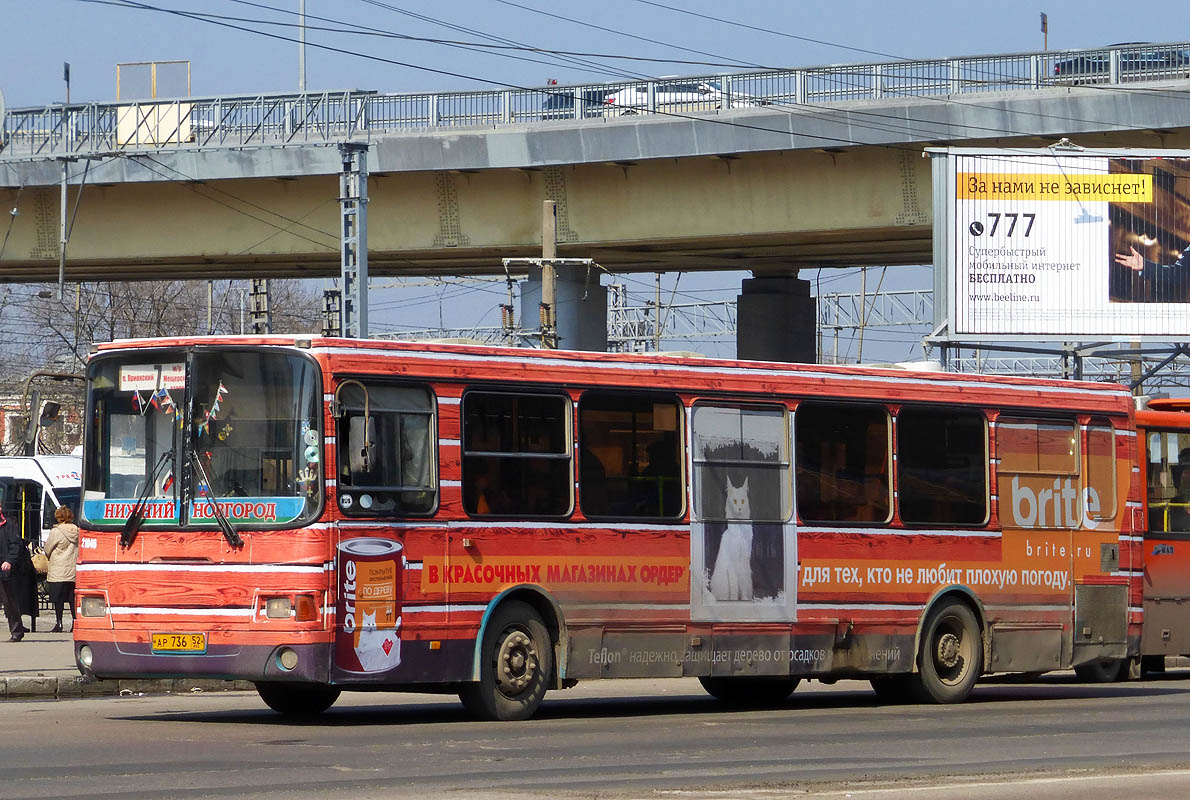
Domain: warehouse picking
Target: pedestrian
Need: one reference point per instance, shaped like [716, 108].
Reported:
[62, 549]
[16, 578]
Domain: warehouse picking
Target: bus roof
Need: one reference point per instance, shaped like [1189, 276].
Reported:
[681, 372]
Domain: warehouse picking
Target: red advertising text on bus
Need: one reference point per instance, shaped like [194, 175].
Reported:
[316, 514]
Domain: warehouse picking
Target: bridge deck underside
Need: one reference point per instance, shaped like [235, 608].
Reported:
[633, 195]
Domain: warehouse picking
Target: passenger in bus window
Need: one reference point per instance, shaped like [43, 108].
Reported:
[661, 496]
[1179, 504]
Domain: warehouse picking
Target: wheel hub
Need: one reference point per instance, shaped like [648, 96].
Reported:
[516, 663]
[948, 650]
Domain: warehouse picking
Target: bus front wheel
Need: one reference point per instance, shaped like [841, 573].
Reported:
[749, 690]
[951, 655]
[297, 699]
[516, 662]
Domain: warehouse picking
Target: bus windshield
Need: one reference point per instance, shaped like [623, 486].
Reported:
[247, 421]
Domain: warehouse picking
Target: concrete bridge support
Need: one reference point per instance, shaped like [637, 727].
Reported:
[775, 320]
[581, 306]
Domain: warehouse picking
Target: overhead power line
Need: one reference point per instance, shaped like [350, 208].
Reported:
[771, 31]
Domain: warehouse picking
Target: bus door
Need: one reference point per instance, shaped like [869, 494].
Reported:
[1039, 482]
[1100, 587]
[1167, 543]
[743, 540]
[22, 505]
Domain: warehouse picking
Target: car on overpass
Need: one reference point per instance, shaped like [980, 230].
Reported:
[560, 103]
[676, 96]
[1138, 61]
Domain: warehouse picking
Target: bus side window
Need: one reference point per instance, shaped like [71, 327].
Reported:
[1036, 456]
[740, 454]
[516, 454]
[942, 466]
[387, 454]
[1100, 487]
[631, 455]
[1169, 482]
[842, 457]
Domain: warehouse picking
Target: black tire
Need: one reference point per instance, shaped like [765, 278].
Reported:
[516, 662]
[1108, 670]
[750, 691]
[298, 699]
[950, 658]
[893, 688]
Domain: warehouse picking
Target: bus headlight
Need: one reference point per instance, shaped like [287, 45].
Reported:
[86, 657]
[92, 606]
[277, 608]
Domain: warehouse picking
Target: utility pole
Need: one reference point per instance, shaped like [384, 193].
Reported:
[353, 242]
[1045, 32]
[301, 46]
[657, 313]
[549, 275]
[331, 313]
[261, 316]
[863, 312]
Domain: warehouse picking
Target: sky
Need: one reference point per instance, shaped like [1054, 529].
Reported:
[96, 35]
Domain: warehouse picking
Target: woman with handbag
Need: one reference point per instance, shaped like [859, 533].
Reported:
[16, 578]
[62, 550]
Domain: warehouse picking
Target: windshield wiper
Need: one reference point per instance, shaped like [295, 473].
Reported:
[137, 517]
[229, 533]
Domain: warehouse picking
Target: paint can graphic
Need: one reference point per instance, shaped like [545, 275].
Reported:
[368, 628]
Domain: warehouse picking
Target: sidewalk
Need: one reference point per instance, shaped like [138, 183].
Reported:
[42, 665]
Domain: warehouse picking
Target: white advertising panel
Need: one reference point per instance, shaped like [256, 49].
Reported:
[1061, 245]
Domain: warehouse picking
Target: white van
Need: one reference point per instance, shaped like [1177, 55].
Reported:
[32, 488]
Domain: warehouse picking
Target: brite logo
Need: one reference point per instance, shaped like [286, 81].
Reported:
[1056, 506]
[371, 574]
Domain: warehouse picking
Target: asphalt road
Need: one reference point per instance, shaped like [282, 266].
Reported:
[633, 739]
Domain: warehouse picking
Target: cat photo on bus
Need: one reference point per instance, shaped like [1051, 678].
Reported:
[744, 559]
[731, 579]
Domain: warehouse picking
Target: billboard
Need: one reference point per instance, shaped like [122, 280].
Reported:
[1062, 244]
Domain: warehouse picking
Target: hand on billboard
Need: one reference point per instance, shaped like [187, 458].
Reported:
[1134, 261]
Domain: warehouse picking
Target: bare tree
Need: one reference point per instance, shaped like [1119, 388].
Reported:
[88, 314]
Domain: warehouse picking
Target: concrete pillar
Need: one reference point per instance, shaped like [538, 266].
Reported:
[581, 306]
[776, 320]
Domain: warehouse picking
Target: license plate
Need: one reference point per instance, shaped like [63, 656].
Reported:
[179, 642]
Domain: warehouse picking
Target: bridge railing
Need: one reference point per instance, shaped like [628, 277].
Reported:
[268, 119]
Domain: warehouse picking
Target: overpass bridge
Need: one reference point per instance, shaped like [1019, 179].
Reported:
[767, 171]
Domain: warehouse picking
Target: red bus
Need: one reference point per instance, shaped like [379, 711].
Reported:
[317, 515]
[1164, 432]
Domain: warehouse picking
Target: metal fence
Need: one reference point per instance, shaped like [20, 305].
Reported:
[233, 121]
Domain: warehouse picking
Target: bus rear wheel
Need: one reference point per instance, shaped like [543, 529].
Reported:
[951, 656]
[516, 662]
[297, 699]
[749, 690]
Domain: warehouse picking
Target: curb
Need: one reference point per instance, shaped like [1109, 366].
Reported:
[28, 687]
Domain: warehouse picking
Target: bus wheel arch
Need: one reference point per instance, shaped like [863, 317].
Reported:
[950, 647]
[551, 614]
[515, 663]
